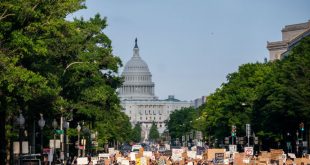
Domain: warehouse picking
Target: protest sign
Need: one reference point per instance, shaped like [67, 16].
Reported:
[211, 153]
[82, 160]
[191, 154]
[249, 151]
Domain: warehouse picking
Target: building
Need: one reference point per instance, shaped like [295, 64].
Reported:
[137, 95]
[200, 101]
[291, 35]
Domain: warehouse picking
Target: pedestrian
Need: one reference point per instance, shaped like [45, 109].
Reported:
[90, 162]
[74, 161]
[69, 161]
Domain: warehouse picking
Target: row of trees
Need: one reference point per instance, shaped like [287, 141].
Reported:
[273, 97]
[137, 131]
[57, 67]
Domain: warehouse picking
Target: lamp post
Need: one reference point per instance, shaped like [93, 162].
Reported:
[41, 124]
[96, 135]
[302, 128]
[65, 126]
[54, 124]
[21, 122]
[78, 128]
[93, 141]
[86, 132]
[297, 143]
[288, 143]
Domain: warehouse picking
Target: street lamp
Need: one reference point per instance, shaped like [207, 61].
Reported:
[297, 143]
[65, 126]
[86, 132]
[54, 124]
[20, 122]
[288, 143]
[41, 124]
[78, 128]
[96, 134]
[93, 141]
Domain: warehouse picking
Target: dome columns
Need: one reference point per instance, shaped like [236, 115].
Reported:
[138, 83]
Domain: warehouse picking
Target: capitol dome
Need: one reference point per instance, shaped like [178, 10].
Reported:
[138, 83]
[136, 64]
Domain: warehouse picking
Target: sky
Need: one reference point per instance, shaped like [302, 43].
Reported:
[190, 46]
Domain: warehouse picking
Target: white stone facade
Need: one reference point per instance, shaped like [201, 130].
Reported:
[289, 34]
[147, 111]
[138, 98]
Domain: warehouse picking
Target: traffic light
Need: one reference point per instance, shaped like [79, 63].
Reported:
[302, 126]
[233, 130]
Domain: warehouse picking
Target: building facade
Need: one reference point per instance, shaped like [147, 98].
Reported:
[291, 34]
[200, 101]
[137, 95]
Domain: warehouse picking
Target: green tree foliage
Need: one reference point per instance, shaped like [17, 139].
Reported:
[154, 134]
[232, 103]
[273, 97]
[136, 133]
[48, 62]
[181, 122]
[283, 101]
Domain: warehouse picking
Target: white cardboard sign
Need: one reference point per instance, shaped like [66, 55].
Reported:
[249, 151]
[82, 160]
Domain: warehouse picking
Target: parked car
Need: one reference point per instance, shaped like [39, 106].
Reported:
[125, 149]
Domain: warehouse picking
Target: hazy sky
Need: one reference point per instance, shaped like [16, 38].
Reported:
[191, 45]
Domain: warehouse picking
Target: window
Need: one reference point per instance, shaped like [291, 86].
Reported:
[140, 118]
[160, 126]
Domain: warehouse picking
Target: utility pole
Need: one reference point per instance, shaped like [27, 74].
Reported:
[248, 132]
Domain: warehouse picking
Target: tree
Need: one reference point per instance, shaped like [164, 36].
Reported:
[283, 101]
[181, 122]
[273, 97]
[48, 62]
[136, 133]
[154, 134]
[232, 104]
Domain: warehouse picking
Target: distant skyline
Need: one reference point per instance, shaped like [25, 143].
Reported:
[191, 46]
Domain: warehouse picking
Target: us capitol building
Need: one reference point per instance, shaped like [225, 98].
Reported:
[137, 95]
